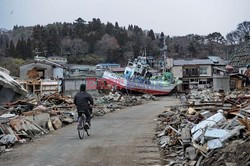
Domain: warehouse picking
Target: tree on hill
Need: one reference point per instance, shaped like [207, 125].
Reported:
[53, 42]
[215, 37]
[29, 52]
[241, 34]
[162, 40]
[192, 49]
[151, 34]
[12, 50]
[110, 29]
[111, 42]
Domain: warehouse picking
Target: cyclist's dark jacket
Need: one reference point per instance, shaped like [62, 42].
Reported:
[82, 100]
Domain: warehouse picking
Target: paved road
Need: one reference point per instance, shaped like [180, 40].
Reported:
[122, 138]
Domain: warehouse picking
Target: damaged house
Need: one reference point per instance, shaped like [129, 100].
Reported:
[10, 90]
[241, 59]
[42, 77]
[221, 77]
[202, 73]
[194, 72]
[240, 63]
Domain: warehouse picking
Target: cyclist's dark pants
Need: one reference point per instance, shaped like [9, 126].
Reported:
[87, 114]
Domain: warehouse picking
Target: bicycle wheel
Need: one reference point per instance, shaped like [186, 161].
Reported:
[88, 131]
[81, 133]
[80, 128]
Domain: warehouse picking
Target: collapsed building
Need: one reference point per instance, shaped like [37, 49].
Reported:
[42, 77]
[10, 90]
[206, 128]
[52, 75]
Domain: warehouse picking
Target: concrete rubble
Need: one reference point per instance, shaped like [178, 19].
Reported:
[205, 125]
[115, 101]
[32, 117]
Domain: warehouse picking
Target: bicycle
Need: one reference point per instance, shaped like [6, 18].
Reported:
[83, 126]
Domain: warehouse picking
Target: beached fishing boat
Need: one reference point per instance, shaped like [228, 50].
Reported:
[137, 78]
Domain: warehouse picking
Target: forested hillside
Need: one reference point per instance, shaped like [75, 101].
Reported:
[94, 42]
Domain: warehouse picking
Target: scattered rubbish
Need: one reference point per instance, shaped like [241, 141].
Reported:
[56, 122]
[27, 118]
[203, 126]
[116, 101]
[23, 120]
[191, 153]
[2, 148]
[7, 139]
[214, 144]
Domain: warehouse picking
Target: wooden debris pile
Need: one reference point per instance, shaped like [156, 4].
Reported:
[193, 133]
[23, 120]
[58, 100]
[116, 101]
[210, 100]
[17, 129]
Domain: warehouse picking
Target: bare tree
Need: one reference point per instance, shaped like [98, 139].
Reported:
[107, 43]
[241, 34]
[74, 47]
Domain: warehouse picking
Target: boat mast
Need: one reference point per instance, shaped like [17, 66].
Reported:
[164, 54]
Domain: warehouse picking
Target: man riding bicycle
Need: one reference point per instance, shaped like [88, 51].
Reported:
[84, 103]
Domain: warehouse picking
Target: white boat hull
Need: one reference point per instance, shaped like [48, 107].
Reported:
[120, 82]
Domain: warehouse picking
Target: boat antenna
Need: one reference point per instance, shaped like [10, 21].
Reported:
[164, 54]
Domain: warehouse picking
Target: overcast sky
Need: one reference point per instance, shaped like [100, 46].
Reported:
[173, 17]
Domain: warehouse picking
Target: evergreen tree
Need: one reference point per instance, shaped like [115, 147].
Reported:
[80, 21]
[117, 26]
[162, 40]
[12, 50]
[80, 28]
[110, 29]
[114, 56]
[137, 30]
[130, 27]
[29, 53]
[53, 42]
[192, 49]
[40, 49]
[121, 37]
[151, 34]
[19, 48]
[57, 37]
[15, 27]
[65, 30]
[23, 49]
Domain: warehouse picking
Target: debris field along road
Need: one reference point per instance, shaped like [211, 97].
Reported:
[124, 137]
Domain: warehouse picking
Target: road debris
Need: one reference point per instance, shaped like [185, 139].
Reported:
[203, 126]
[33, 116]
[116, 101]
